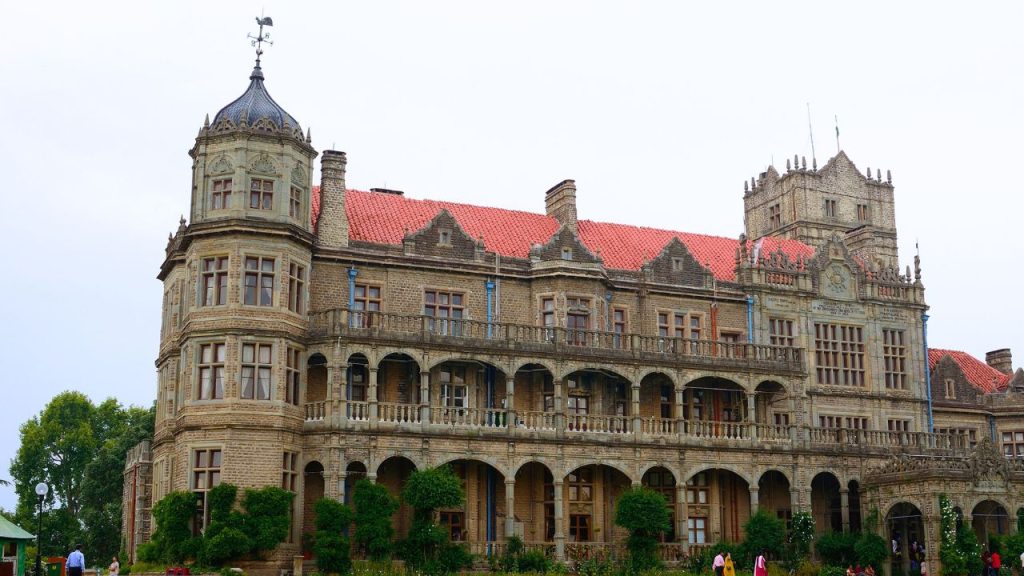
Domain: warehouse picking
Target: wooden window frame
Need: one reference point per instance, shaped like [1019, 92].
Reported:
[261, 194]
[220, 194]
[214, 281]
[293, 376]
[259, 279]
[258, 359]
[894, 357]
[839, 354]
[210, 376]
[297, 288]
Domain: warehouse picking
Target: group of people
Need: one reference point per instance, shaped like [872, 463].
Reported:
[76, 563]
[724, 566]
[858, 571]
[992, 562]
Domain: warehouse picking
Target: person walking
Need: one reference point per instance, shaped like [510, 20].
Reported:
[76, 562]
[115, 567]
[997, 562]
[761, 564]
[730, 568]
[718, 564]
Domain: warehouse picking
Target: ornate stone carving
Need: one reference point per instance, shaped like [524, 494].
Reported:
[298, 175]
[987, 463]
[263, 164]
[221, 165]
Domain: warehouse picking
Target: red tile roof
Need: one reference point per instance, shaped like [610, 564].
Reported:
[978, 373]
[385, 218]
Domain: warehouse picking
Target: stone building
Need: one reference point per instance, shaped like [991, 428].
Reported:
[315, 335]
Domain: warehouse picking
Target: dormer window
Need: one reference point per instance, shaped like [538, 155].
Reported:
[678, 264]
[950, 389]
[566, 253]
[221, 194]
[444, 237]
[261, 194]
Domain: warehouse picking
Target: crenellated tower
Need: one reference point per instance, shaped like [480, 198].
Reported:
[812, 204]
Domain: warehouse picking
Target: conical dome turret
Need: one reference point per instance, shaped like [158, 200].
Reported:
[256, 110]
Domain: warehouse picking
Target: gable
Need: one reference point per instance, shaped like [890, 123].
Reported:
[675, 265]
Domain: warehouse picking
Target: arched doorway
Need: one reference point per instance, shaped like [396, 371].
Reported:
[398, 389]
[716, 408]
[535, 403]
[589, 497]
[534, 518]
[989, 518]
[468, 393]
[478, 519]
[662, 481]
[598, 400]
[718, 505]
[773, 495]
[316, 387]
[904, 525]
[393, 474]
[354, 472]
[826, 503]
[357, 388]
[312, 490]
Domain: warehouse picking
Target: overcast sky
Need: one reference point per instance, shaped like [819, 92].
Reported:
[659, 110]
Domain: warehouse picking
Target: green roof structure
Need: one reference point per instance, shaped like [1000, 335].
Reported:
[10, 532]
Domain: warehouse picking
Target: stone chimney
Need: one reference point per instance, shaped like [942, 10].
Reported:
[1001, 360]
[560, 202]
[332, 224]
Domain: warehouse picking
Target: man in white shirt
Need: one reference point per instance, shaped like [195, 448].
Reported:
[76, 562]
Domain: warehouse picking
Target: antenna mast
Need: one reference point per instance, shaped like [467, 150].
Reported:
[810, 128]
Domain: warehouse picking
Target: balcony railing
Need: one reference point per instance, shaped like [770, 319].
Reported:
[643, 429]
[541, 339]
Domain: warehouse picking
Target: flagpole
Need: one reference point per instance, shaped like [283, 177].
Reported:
[837, 134]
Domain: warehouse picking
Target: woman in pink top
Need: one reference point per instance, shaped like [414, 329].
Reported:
[761, 565]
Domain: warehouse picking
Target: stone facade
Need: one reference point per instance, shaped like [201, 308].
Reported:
[298, 351]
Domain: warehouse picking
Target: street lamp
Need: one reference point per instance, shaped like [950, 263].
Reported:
[41, 490]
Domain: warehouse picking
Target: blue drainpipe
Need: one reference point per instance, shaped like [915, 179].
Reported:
[489, 381]
[352, 273]
[927, 373]
[489, 285]
[750, 319]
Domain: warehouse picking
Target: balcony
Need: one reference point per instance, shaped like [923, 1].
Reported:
[428, 331]
[505, 424]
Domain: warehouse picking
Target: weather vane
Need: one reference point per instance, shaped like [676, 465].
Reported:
[258, 41]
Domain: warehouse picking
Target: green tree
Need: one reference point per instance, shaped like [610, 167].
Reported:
[644, 513]
[267, 517]
[331, 545]
[837, 548]
[801, 535]
[764, 532]
[374, 507]
[428, 548]
[78, 450]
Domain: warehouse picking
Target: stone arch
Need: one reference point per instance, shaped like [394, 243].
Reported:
[517, 468]
[392, 473]
[607, 369]
[534, 505]
[615, 465]
[989, 516]
[663, 480]
[724, 493]
[377, 355]
[313, 489]
[647, 466]
[398, 379]
[315, 382]
[671, 375]
[591, 491]
[698, 468]
[734, 379]
[478, 518]
[535, 401]
[768, 395]
[904, 524]
[774, 492]
[588, 388]
[357, 383]
[520, 364]
[482, 458]
[826, 502]
[658, 401]
[463, 358]
[354, 472]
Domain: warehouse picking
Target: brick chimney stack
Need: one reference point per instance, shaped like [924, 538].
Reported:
[332, 224]
[1001, 360]
[560, 202]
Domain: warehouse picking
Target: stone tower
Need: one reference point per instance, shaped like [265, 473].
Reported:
[236, 281]
[811, 205]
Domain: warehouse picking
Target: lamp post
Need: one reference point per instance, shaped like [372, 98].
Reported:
[41, 490]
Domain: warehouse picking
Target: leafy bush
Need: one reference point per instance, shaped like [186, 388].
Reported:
[829, 570]
[837, 548]
[427, 547]
[534, 561]
[267, 517]
[227, 544]
[764, 532]
[644, 513]
[871, 550]
[331, 546]
[959, 550]
[172, 541]
[374, 507]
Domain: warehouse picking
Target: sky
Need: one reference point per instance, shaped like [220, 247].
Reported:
[658, 110]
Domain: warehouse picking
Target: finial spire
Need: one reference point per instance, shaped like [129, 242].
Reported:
[262, 37]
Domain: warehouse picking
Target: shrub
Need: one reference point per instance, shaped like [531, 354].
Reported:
[331, 546]
[427, 548]
[534, 561]
[227, 544]
[802, 534]
[172, 541]
[644, 513]
[829, 570]
[267, 517]
[374, 507]
[764, 532]
[837, 548]
[871, 550]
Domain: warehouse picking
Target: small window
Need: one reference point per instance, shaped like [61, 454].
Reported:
[221, 195]
[950, 389]
[678, 264]
[831, 208]
[259, 282]
[261, 194]
[566, 253]
[863, 212]
[774, 216]
[295, 203]
[444, 237]
[256, 368]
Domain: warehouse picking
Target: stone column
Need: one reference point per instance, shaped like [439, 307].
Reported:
[682, 510]
[634, 408]
[844, 507]
[510, 508]
[341, 395]
[371, 396]
[559, 485]
[752, 415]
[560, 387]
[341, 486]
[754, 499]
[510, 402]
[425, 397]
[680, 421]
